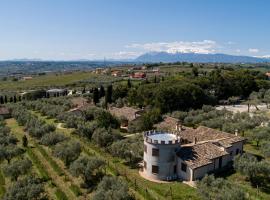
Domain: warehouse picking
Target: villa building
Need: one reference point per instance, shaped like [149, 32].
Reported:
[126, 114]
[188, 154]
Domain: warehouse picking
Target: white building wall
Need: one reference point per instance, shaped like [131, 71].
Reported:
[186, 176]
[166, 161]
[200, 172]
[233, 149]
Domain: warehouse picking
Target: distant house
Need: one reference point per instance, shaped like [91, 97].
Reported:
[25, 78]
[5, 112]
[80, 109]
[156, 70]
[126, 114]
[268, 75]
[56, 92]
[116, 73]
[98, 70]
[138, 75]
[168, 124]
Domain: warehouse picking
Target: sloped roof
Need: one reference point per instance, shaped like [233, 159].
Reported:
[203, 133]
[168, 123]
[201, 154]
[127, 112]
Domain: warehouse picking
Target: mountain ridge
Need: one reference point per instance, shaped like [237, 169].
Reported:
[197, 57]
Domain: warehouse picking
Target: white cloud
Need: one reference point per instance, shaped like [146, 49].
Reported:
[253, 50]
[126, 54]
[205, 46]
[237, 50]
[265, 56]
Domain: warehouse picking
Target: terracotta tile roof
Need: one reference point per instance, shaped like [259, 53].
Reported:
[128, 112]
[203, 133]
[4, 110]
[199, 155]
[229, 141]
[81, 108]
[168, 124]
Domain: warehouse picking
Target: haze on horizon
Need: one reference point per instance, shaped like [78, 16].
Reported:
[124, 29]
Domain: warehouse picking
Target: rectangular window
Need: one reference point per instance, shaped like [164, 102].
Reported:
[174, 169]
[183, 167]
[145, 148]
[155, 152]
[237, 151]
[231, 153]
[154, 169]
[145, 164]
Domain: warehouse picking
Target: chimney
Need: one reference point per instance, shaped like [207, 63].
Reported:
[195, 140]
[236, 132]
[178, 126]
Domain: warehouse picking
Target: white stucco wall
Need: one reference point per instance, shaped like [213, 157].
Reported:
[165, 161]
[235, 146]
[186, 176]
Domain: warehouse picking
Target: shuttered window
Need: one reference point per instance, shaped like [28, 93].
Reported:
[154, 169]
[155, 152]
[183, 167]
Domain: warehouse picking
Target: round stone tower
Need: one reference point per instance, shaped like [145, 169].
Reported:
[160, 161]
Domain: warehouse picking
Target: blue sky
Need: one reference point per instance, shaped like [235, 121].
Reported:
[93, 29]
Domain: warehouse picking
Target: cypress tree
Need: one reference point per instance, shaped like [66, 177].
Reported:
[83, 91]
[15, 99]
[11, 99]
[1, 100]
[101, 91]
[96, 96]
[25, 141]
[108, 97]
[129, 83]
[5, 99]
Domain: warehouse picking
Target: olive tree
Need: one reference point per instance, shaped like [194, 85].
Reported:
[51, 139]
[26, 189]
[9, 152]
[18, 168]
[67, 151]
[112, 188]
[89, 168]
[211, 188]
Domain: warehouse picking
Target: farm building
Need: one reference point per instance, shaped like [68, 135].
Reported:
[188, 154]
[56, 92]
[138, 75]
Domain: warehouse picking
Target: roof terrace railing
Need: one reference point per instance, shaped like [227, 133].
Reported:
[154, 132]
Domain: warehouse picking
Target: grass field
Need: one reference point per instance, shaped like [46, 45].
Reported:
[52, 80]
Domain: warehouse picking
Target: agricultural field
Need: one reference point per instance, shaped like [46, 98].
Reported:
[44, 81]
